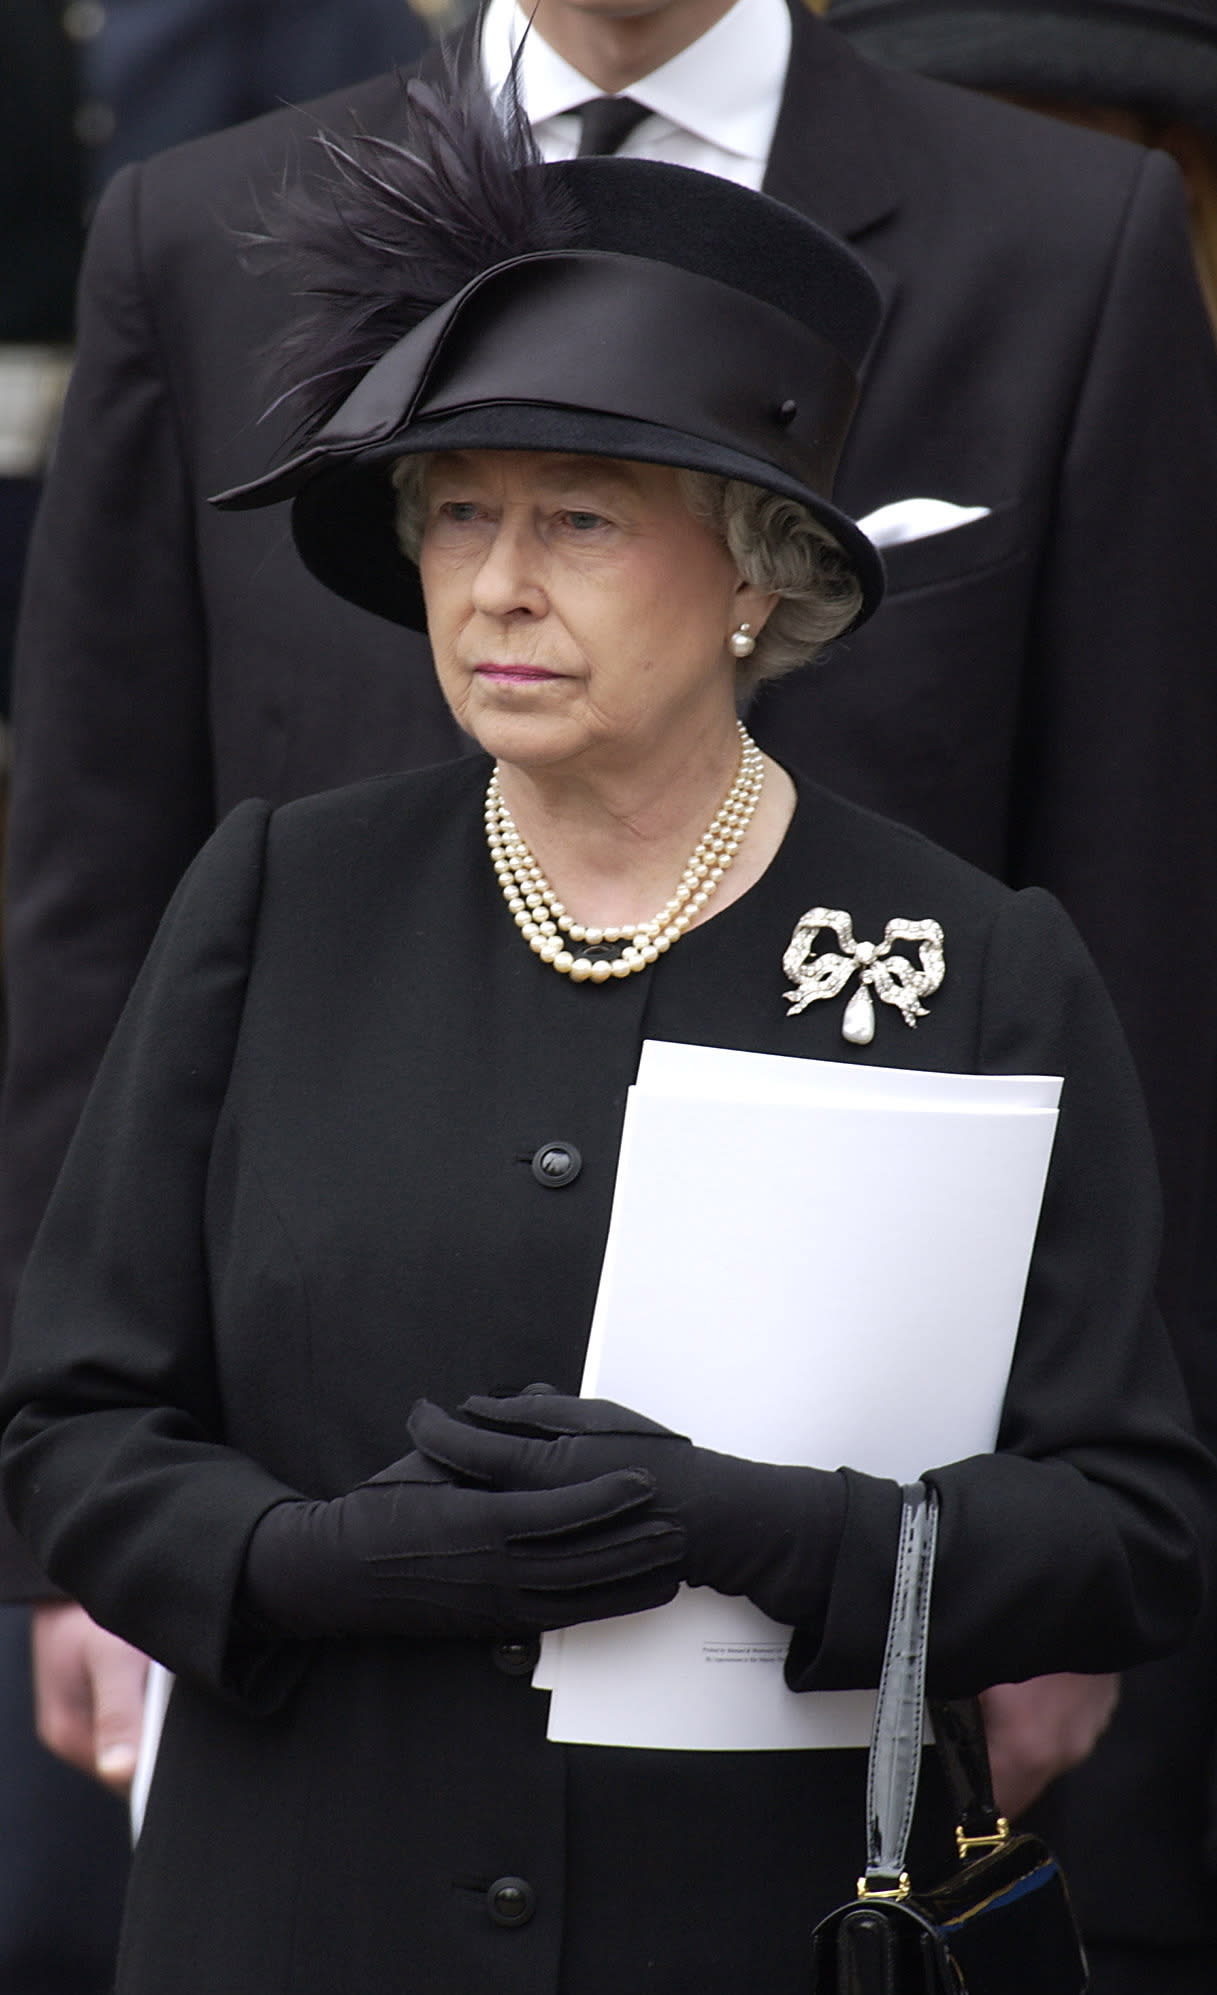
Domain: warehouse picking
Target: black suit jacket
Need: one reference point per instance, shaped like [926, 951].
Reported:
[301, 1197]
[1039, 692]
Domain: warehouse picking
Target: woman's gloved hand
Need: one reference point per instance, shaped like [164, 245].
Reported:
[411, 1553]
[750, 1527]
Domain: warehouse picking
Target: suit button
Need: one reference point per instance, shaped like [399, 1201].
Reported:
[511, 1902]
[556, 1164]
[516, 1658]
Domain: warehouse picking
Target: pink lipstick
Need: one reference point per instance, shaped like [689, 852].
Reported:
[514, 675]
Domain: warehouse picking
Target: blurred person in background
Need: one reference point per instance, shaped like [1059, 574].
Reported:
[41, 235]
[63, 1838]
[84, 87]
[1140, 1818]
[156, 72]
[1142, 72]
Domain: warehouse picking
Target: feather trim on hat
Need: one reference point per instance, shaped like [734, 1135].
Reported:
[388, 230]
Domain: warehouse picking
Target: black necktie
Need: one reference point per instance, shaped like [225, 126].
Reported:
[606, 123]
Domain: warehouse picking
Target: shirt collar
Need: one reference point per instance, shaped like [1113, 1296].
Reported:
[724, 88]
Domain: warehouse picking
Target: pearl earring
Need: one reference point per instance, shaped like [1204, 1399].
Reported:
[742, 642]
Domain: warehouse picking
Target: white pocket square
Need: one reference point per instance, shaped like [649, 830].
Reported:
[916, 519]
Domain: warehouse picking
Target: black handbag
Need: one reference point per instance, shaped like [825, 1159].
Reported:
[1001, 1924]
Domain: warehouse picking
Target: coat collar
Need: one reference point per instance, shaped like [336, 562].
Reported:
[829, 157]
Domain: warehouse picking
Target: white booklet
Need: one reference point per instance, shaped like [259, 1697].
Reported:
[807, 1262]
[156, 1703]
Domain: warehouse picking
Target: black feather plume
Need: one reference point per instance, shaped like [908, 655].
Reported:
[383, 231]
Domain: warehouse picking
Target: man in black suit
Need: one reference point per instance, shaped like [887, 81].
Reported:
[63, 1838]
[1038, 436]
[1147, 72]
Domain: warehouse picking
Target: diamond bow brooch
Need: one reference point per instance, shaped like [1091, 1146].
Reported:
[894, 979]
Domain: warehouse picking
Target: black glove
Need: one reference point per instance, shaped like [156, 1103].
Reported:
[408, 1553]
[750, 1527]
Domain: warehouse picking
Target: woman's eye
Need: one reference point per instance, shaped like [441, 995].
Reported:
[460, 511]
[584, 522]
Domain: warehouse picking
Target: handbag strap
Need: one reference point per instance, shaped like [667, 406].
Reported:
[959, 1732]
[895, 1749]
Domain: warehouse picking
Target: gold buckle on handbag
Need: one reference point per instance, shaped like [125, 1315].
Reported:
[966, 1844]
[895, 1897]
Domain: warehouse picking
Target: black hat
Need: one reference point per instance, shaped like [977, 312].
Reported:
[600, 307]
[1159, 58]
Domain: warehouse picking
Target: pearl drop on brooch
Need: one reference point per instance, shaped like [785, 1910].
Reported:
[858, 1024]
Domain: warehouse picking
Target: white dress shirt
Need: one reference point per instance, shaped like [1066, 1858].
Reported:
[714, 106]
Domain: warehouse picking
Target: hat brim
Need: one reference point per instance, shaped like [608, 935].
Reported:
[344, 516]
[1165, 67]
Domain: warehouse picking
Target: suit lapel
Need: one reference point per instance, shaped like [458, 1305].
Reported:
[830, 158]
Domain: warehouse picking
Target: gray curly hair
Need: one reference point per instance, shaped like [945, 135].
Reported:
[776, 544]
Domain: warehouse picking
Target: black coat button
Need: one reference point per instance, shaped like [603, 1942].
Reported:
[511, 1901]
[516, 1658]
[556, 1164]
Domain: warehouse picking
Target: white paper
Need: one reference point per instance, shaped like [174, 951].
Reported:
[704, 1674]
[828, 1273]
[159, 1683]
[716, 1073]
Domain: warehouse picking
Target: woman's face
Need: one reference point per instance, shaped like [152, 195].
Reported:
[578, 614]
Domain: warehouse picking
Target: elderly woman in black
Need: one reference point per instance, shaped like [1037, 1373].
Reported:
[586, 425]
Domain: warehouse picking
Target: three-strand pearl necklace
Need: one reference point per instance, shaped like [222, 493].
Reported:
[620, 950]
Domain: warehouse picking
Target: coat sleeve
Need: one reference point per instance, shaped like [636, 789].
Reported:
[1118, 813]
[1073, 1546]
[112, 1463]
[112, 789]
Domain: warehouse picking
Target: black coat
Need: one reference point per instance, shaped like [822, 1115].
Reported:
[300, 1197]
[1039, 692]
[1037, 695]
